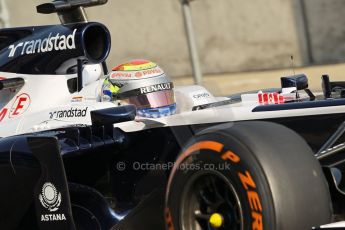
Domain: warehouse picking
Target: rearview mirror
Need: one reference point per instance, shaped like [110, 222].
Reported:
[299, 81]
[113, 115]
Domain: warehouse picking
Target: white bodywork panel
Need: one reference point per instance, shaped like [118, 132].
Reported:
[340, 225]
[44, 103]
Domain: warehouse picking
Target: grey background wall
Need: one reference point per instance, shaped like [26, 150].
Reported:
[232, 35]
[326, 20]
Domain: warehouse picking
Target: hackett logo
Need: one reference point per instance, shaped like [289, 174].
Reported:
[57, 42]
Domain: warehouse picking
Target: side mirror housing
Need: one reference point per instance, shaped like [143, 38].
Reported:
[113, 115]
[299, 81]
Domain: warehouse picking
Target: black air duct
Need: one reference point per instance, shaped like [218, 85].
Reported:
[52, 49]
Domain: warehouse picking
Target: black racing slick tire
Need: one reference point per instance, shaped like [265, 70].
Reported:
[247, 175]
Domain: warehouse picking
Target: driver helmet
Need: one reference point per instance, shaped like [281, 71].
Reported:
[144, 84]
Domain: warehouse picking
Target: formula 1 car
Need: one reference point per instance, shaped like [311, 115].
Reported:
[267, 159]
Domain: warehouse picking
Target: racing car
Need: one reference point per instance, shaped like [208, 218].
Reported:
[266, 159]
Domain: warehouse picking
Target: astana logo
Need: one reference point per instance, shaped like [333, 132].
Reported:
[50, 198]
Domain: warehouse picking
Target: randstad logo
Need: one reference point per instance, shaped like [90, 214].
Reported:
[57, 42]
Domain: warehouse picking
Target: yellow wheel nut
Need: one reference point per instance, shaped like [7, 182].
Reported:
[216, 220]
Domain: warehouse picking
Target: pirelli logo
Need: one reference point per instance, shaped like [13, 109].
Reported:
[156, 88]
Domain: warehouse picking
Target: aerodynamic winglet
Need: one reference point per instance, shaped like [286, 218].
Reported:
[66, 5]
[12, 83]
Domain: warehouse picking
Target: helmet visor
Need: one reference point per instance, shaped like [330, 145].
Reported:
[152, 100]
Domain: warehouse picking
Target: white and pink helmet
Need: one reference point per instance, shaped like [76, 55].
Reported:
[144, 84]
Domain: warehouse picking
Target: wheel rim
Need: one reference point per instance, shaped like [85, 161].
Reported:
[209, 195]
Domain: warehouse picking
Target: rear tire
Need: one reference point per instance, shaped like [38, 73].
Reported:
[255, 175]
[91, 211]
